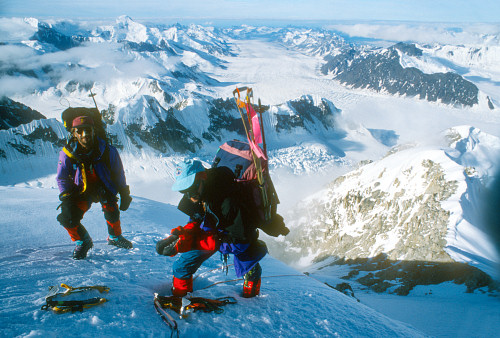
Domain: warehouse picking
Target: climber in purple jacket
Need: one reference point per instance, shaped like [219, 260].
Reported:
[89, 171]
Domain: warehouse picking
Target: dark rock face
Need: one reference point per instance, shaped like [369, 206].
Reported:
[166, 135]
[490, 104]
[400, 277]
[382, 72]
[307, 110]
[45, 134]
[223, 115]
[408, 48]
[307, 114]
[49, 35]
[22, 148]
[13, 114]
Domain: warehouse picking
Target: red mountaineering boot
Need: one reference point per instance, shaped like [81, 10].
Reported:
[251, 284]
[181, 287]
[251, 288]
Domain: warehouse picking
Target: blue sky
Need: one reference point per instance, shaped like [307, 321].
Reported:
[399, 10]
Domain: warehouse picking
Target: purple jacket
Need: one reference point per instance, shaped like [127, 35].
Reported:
[107, 165]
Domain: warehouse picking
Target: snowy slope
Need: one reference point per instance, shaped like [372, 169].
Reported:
[36, 253]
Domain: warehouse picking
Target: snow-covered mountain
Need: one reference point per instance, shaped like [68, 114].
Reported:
[318, 42]
[402, 207]
[417, 204]
[382, 71]
[154, 87]
[146, 124]
[166, 111]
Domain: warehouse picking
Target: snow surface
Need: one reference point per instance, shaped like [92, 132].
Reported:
[36, 253]
[442, 310]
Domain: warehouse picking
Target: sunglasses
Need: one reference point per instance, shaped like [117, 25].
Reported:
[193, 190]
[82, 129]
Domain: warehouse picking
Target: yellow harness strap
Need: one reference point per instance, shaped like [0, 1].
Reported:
[84, 175]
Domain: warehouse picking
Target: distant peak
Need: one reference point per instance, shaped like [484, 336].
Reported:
[32, 22]
[124, 19]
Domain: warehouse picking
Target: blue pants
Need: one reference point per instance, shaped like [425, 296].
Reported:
[189, 262]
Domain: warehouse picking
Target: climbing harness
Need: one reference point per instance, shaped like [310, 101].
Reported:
[63, 306]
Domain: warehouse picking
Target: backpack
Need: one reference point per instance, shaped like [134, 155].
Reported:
[71, 113]
[262, 201]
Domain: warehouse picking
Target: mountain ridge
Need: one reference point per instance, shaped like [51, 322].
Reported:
[416, 204]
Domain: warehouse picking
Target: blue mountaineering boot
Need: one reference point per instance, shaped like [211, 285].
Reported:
[82, 247]
[120, 242]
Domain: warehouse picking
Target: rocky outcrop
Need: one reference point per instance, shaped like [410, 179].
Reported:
[382, 71]
[13, 114]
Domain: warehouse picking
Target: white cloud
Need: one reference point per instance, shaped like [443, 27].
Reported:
[13, 85]
[474, 34]
[16, 55]
[16, 29]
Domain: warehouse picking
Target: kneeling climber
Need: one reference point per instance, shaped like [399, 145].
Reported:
[219, 221]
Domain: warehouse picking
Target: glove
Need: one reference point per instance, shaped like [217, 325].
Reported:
[68, 195]
[275, 226]
[167, 246]
[181, 239]
[125, 198]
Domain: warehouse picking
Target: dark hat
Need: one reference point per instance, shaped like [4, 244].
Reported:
[83, 121]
